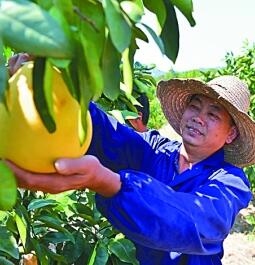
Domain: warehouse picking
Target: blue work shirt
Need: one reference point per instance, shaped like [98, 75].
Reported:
[172, 218]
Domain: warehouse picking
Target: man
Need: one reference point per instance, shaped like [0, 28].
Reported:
[176, 201]
[140, 123]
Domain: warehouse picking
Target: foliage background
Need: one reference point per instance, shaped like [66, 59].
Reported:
[67, 228]
[92, 43]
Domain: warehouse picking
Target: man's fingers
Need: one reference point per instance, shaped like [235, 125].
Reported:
[13, 167]
[13, 60]
[25, 178]
[81, 165]
[17, 60]
[52, 183]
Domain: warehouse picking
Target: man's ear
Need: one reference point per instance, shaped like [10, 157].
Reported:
[137, 123]
[233, 133]
[133, 122]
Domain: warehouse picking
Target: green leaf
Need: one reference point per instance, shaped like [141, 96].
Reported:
[22, 228]
[40, 253]
[95, 81]
[86, 213]
[101, 255]
[111, 70]
[139, 34]
[119, 28]
[143, 88]
[8, 188]
[11, 224]
[28, 28]
[58, 14]
[132, 50]
[85, 91]
[55, 224]
[128, 96]
[95, 12]
[71, 80]
[156, 38]
[8, 243]
[51, 221]
[250, 219]
[124, 250]
[127, 72]
[158, 8]
[105, 104]
[3, 72]
[73, 252]
[53, 256]
[40, 203]
[22, 220]
[66, 7]
[84, 209]
[4, 261]
[60, 63]
[170, 33]
[3, 216]
[117, 115]
[65, 66]
[139, 4]
[91, 36]
[7, 53]
[92, 256]
[45, 4]
[55, 237]
[64, 202]
[42, 89]
[133, 10]
[129, 114]
[186, 7]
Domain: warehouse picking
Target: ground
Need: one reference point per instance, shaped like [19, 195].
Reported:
[240, 244]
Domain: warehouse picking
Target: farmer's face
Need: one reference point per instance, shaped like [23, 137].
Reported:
[206, 124]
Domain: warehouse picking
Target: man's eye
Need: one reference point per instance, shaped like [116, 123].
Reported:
[192, 106]
[214, 116]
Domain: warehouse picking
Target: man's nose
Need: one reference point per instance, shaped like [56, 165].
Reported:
[199, 118]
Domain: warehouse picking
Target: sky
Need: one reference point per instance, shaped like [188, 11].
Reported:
[221, 26]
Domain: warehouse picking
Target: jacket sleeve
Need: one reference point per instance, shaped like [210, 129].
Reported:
[116, 145]
[154, 215]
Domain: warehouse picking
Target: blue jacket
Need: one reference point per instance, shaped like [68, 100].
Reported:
[172, 218]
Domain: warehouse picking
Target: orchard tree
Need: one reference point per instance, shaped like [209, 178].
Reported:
[92, 44]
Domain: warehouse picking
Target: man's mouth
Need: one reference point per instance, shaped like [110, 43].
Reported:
[194, 130]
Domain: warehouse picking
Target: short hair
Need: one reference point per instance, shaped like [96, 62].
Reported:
[145, 109]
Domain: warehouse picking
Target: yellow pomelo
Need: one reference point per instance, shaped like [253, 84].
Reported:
[23, 137]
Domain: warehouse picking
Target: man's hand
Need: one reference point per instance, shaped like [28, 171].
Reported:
[74, 173]
[16, 61]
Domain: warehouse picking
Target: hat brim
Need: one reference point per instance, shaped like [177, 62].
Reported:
[174, 96]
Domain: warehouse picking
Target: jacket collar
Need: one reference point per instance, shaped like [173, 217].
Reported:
[213, 161]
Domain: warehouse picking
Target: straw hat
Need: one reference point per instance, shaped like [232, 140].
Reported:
[231, 93]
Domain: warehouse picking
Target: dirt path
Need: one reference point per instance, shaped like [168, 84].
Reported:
[239, 250]
[240, 244]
